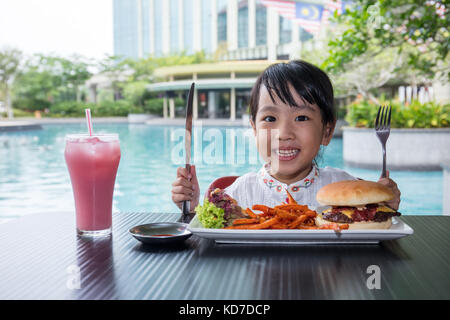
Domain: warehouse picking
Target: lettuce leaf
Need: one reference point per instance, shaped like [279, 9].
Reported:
[210, 216]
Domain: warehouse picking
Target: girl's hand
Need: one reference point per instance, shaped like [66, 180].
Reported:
[394, 203]
[185, 187]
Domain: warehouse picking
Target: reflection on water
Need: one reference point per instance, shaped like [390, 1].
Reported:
[34, 177]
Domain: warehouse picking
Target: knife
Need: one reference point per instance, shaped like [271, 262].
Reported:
[187, 144]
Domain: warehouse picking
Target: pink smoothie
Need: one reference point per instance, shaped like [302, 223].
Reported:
[92, 163]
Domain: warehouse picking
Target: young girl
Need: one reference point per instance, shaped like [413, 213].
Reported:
[292, 115]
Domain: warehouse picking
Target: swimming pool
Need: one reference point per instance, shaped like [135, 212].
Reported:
[34, 177]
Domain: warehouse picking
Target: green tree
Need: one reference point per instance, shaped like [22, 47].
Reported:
[117, 71]
[180, 59]
[75, 72]
[130, 77]
[364, 73]
[37, 85]
[134, 92]
[47, 79]
[9, 68]
[385, 24]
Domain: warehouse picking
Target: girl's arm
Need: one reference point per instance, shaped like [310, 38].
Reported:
[186, 187]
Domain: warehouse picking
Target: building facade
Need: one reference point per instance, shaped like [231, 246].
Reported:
[244, 36]
[223, 29]
[222, 89]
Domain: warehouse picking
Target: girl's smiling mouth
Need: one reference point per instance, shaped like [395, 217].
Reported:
[287, 154]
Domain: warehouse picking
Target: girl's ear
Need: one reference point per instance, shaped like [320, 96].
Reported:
[253, 126]
[328, 133]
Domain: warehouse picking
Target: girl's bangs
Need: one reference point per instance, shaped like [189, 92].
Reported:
[278, 84]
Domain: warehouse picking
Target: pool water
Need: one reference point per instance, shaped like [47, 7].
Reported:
[34, 176]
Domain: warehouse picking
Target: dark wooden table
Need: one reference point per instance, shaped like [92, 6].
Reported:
[40, 254]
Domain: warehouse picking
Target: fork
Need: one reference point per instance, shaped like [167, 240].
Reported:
[382, 129]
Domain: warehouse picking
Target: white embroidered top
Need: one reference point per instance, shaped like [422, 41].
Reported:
[261, 188]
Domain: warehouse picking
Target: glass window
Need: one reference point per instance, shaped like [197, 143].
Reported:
[285, 30]
[223, 105]
[158, 13]
[261, 23]
[221, 20]
[125, 28]
[304, 35]
[145, 27]
[243, 24]
[188, 22]
[206, 26]
[174, 23]
[242, 102]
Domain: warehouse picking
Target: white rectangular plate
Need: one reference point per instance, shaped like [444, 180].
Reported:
[398, 229]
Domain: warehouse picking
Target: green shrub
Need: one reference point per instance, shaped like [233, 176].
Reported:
[69, 109]
[21, 113]
[416, 115]
[341, 113]
[156, 105]
[17, 114]
[119, 108]
[179, 103]
[134, 91]
[31, 104]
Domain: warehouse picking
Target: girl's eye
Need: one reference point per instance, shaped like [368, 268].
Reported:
[269, 119]
[301, 118]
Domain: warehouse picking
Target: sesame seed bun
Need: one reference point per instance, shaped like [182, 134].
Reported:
[353, 193]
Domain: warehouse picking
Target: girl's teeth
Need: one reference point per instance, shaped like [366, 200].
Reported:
[287, 152]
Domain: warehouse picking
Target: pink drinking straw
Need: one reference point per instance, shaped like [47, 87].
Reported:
[89, 120]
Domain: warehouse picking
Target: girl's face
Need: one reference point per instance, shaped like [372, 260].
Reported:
[289, 138]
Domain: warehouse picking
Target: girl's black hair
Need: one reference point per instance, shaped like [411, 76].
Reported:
[310, 83]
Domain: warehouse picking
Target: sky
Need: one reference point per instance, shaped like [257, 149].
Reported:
[61, 27]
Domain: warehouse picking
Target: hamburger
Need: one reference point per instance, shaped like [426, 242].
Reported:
[358, 203]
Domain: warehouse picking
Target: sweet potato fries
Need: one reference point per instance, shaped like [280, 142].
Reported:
[289, 215]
